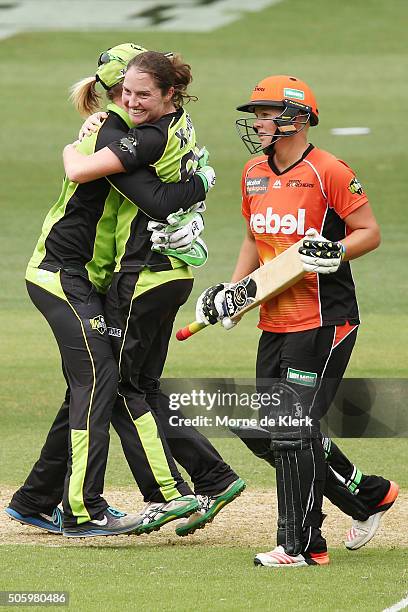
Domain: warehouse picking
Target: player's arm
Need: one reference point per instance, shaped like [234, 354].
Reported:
[139, 147]
[324, 256]
[248, 259]
[155, 198]
[364, 233]
[349, 201]
[210, 306]
[81, 168]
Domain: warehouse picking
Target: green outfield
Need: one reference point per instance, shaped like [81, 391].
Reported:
[354, 56]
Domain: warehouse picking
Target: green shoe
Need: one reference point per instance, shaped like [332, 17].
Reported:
[155, 514]
[209, 508]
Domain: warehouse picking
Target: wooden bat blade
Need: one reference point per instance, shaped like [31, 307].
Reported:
[258, 287]
[269, 280]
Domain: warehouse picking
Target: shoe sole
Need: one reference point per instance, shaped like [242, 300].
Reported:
[322, 561]
[388, 501]
[167, 518]
[231, 494]
[20, 519]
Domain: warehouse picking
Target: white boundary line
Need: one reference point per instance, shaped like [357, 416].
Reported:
[400, 605]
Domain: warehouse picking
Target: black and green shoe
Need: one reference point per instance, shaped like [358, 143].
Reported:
[209, 507]
[155, 514]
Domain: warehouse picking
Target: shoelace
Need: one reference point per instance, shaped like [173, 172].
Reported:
[57, 517]
[152, 510]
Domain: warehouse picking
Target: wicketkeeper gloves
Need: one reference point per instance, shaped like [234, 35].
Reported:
[319, 254]
[179, 237]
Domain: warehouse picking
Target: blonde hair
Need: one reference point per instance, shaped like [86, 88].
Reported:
[84, 96]
[87, 100]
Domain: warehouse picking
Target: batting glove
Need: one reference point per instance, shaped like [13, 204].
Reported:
[211, 307]
[319, 254]
[207, 175]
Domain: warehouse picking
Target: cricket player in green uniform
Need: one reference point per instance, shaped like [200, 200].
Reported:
[148, 287]
[34, 502]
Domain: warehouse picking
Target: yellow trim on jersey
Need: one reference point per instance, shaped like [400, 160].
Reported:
[49, 281]
[150, 280]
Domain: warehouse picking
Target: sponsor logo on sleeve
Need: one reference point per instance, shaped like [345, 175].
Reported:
[128, 144]
[257, 185]
[355, 186]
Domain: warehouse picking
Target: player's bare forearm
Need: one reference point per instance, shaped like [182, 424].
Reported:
[364, 233]
[81, 168]
[248, 259]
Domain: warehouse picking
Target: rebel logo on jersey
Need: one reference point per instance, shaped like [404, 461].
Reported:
[281, 216]
[273, 223]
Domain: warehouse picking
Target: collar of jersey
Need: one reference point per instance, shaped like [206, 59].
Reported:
[276, 171]
[114, 108]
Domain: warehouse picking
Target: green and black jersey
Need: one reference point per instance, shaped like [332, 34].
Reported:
[78, 233]
[168, 148]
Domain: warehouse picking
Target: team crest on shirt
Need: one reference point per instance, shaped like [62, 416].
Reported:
[257, 185]
[355, 186]
[98, 324]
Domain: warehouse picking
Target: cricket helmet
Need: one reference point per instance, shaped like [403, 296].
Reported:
[298, 105]
[113, 62]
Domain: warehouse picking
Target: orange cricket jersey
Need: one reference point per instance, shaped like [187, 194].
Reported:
[318, 191]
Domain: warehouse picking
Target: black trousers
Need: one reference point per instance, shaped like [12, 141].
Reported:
[73, 310]
[313, 363]
[210, 474]
[73, 459]
[141, 316]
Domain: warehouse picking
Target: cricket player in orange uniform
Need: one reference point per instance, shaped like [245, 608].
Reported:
[308, 332]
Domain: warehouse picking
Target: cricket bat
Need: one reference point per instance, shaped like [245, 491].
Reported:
[258, 287]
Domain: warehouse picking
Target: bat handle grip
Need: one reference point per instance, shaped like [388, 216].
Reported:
[190, 330]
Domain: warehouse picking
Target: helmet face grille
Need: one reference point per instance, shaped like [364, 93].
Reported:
[292, 120]
[248, 135]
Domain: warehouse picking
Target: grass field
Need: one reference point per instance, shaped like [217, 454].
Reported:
[354, 56]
